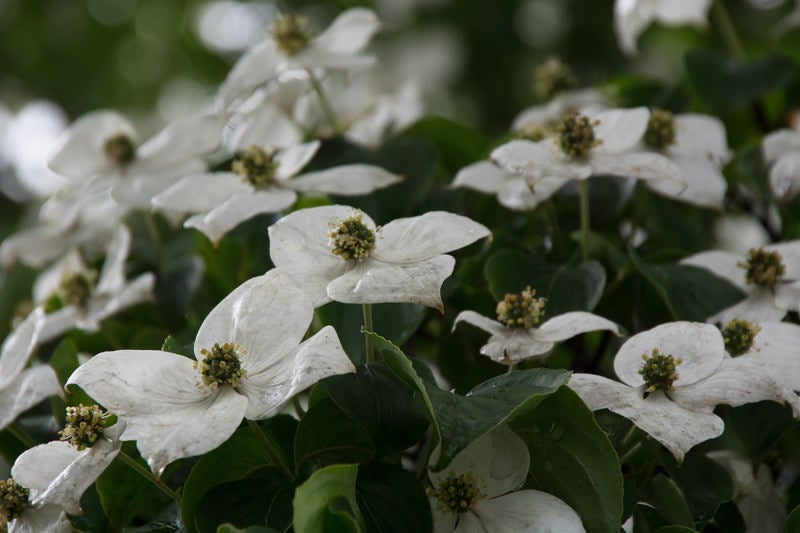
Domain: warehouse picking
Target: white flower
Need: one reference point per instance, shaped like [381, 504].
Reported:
[73, 296]
[781, 151]
[632, 17]
[512, 190]
[176, 407]
[337, 253]
[588, 100]
[519, 336]
[291, 47]
[738, 233]
[99, 152]
[262, 182]
[486, 476]
[21, 388]
[770, 276]
[586, 146]
[673, 376]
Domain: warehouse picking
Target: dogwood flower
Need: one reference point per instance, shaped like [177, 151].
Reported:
[21, 388]
[632, 17]
[337, 253]
[72, 295]
[672, 377]
[781, 151]
[518, 335]
[585, 146]
[478, 491]
[291, 47]
[770, 276]
[261, 182]
[99, 152]
[249, 361]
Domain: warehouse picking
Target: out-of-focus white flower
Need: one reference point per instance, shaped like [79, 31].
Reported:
[263, 181]
[632, 17]
[739, 233]
[477, 491]
[518, 335]
[543, 117]
[337, 253]
[781, 151]
[21, 388]
[74, 296]
[673, 376]
[250, 362]
[770, 276]
[99, 152]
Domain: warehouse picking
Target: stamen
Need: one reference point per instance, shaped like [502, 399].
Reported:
[256, 167]
[120, 149]
[84, 426]
[521, 310]
[739, 336]
[658, 371]
[351, 238]
[576, 135]
[660, 131]
[222, 365]
[290, 33]
[456, 494]
[552, 77]
[763, 268]
[13, 501]
[75, 289]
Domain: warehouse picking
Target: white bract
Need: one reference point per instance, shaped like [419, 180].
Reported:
[262, 182]
[99, 152]
[176, 407]
[632, 17]
[781, 151]
[673, 376]
[290, 47]
[21, 388]
[586, 146]
[338, 253]
[770, 276]
[486, 476]
[73, 296]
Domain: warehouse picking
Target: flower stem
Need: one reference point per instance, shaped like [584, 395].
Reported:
[722, 21]
[370, 350]
[21, 435]
[272, 449]
[323, 100]
[584, 188]
[298, 409]
[147, 474]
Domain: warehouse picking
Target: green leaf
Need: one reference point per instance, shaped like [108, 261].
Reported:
[675, 529]
[793, 521]
[458, 144]
[245, 502]
[65, 359]
[236, 458]
[572, 458]
[666, 497]
[566, 288]
[326, 435]
[462, 419]
[230, 528]
[688, 292]
[392, 499]
[173, 345]
[383, 403]
[705, 484]
[724, 84]
[327, 501]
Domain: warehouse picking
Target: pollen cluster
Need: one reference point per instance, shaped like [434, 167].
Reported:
[739, 336]
[521, 310]
[351, 238]
[75, 289]
[658, 371]
[290, 33]
[456, 494]
[221, 365]
[660, 131]
[13, 500]
[256, 167]
[120, 149]
[763, 268]
[576, 135]
[551, 78]
[84, 425]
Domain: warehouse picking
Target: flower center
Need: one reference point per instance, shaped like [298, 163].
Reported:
[660, 131]
[552, 77]
[658, 371]
[456, 494]
[84, 425]
[256, 167]
[120, 149]
[222, 365]
[351, 238]
[290, 33]
[576, 135]
[763, 268]
[75, 289]
[521, 310]
[13, 500]
[533, 132]
[739, 336]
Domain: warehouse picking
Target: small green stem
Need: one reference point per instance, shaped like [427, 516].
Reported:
[584, 188]
[323, 100]
[511, 368]
[155, 235]
[298, 409]
[21, 435]
[727, 30]
[147, 474]
[370, 350]
[627, 455]
[275, 454]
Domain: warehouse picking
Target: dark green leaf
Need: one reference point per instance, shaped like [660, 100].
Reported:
[667, 498]
[327, 501]
[705, 485]
[458, 145]
[392, 500]
[244, 502]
